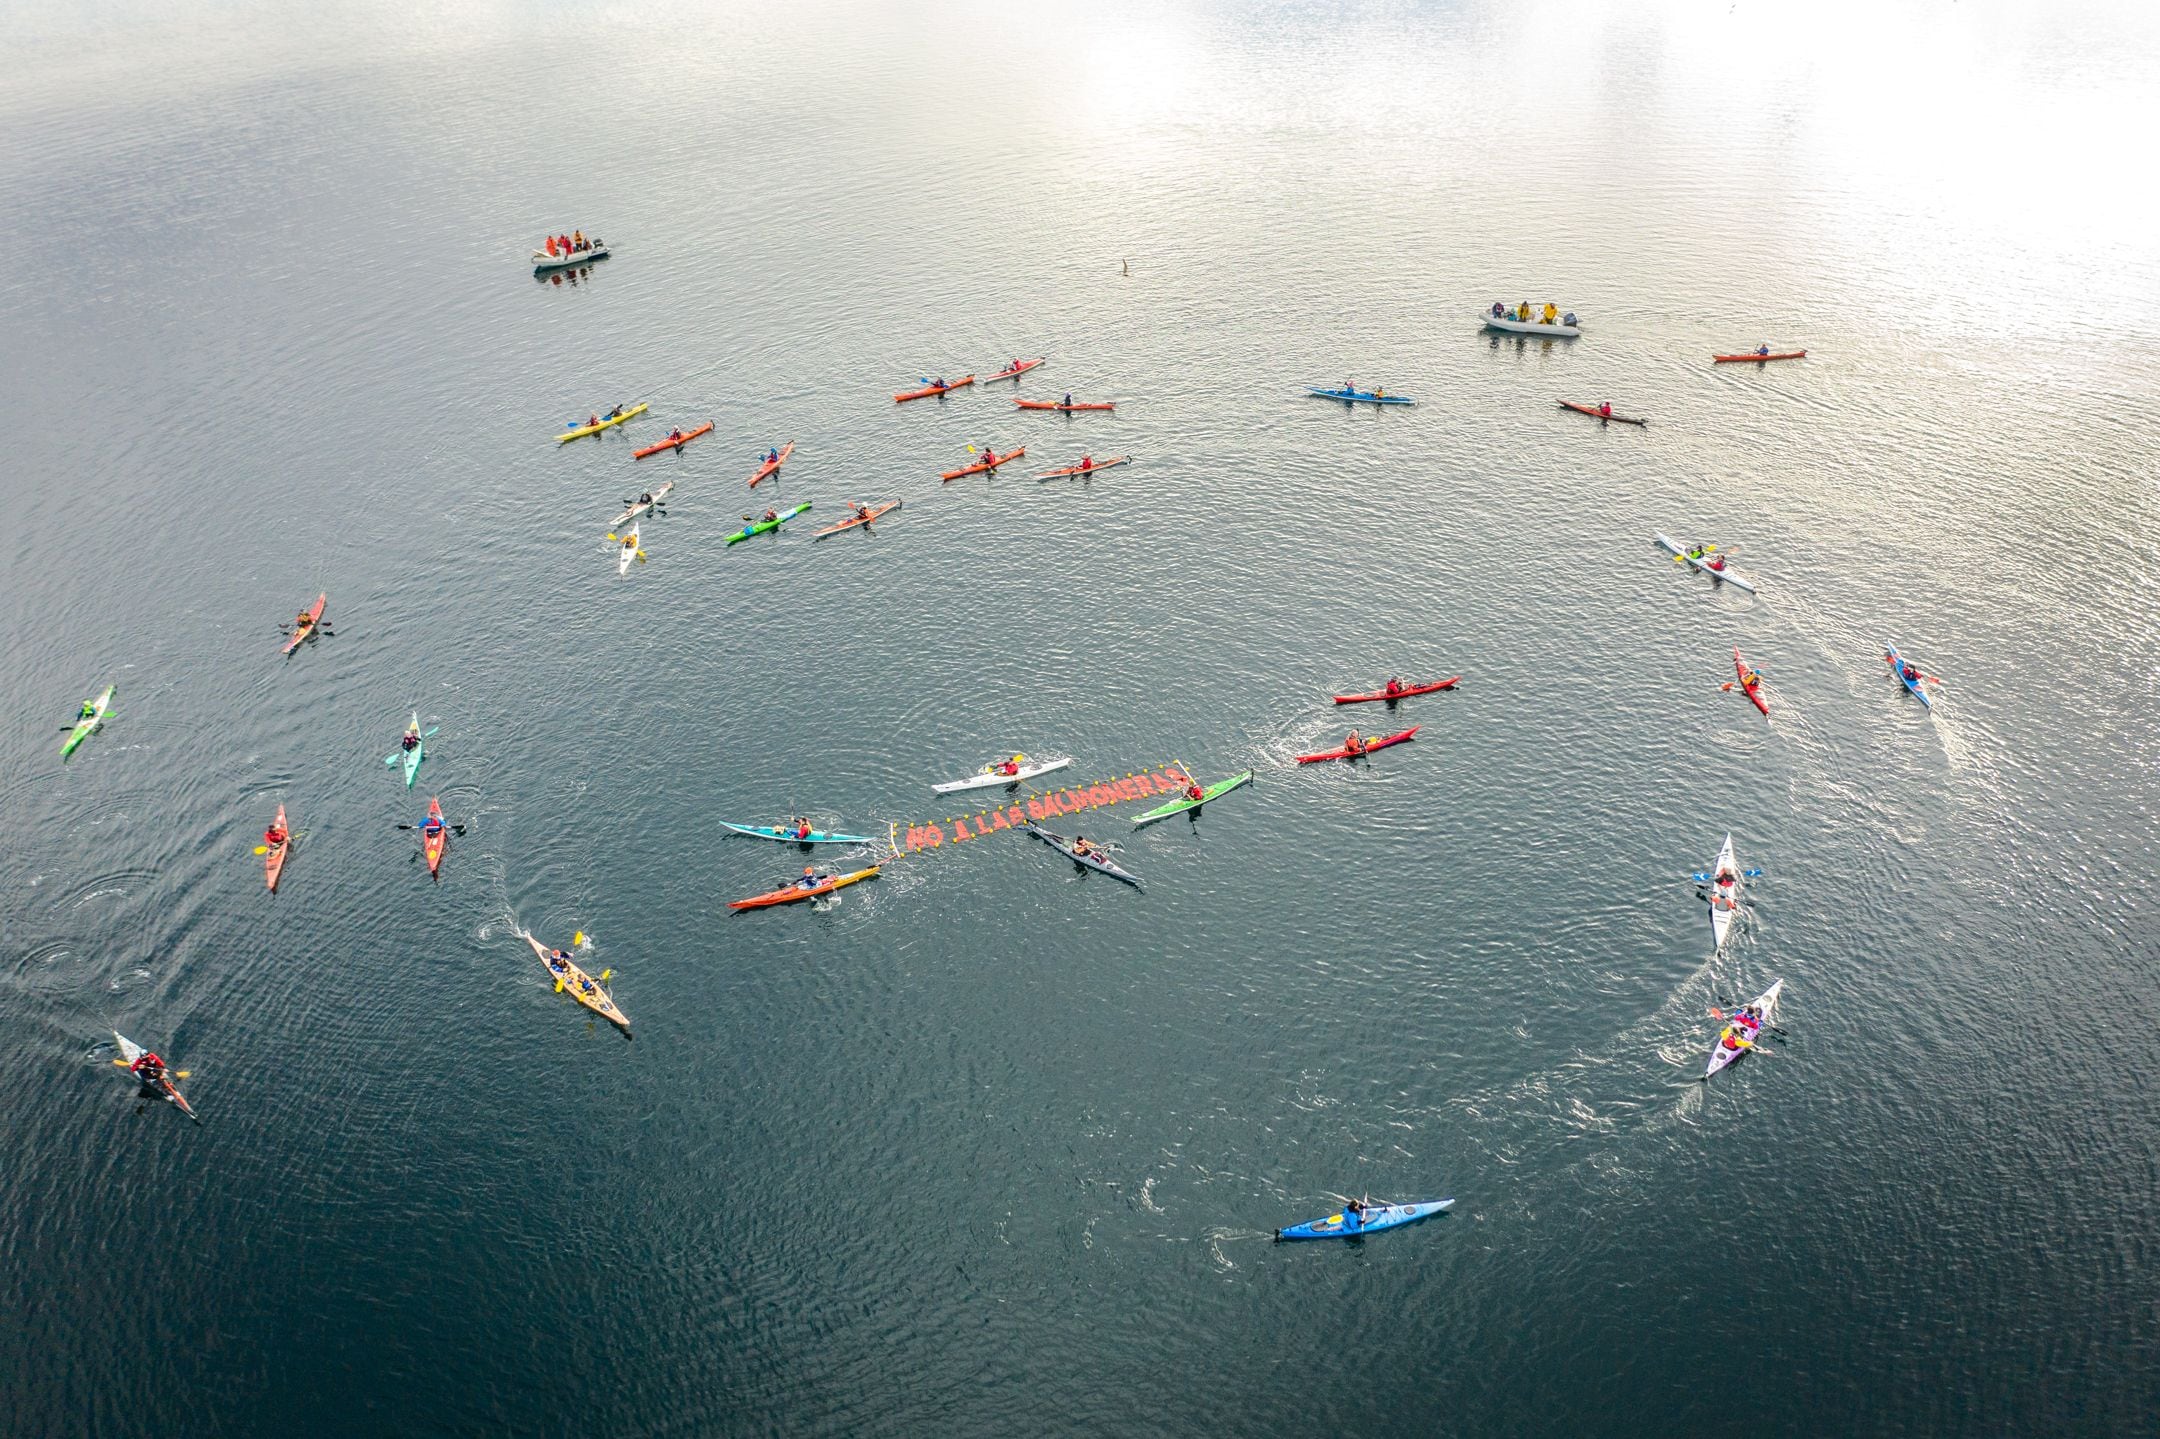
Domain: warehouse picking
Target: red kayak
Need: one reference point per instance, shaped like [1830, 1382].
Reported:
[772, 467]
[1740, 359]
[1016, 371]
[1752, 691]
[1087, 469]
[1068, 409]
[854, 520]
[1447, 684]
[687, 437]
[981, 465]
[314, 618]
[1597, 414]
[1370, 746]
[925, 394]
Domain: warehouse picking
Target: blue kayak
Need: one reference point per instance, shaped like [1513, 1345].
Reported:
[1378, 1217]
[1366, 397]
[788, 836]
[1897, 667]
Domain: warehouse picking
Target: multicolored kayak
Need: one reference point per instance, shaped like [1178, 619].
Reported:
[1896, 662]
[1737, 1037]
[1086, 469]
[433, 843]
[990, 464]
[1402, 694]
[789, 836]
[580, 986]
[130, 1051]
[1185, 803]
[1359, 397]
[1716, 569]
[794, 893]
[989, 778]
[1737, 359]
[274, 860]
[760, 527]
[1065, 409]
[1344, 752]
[768, 468]
[675, 442]
[1597, 414]
[1016, 371]
[1091, 860]
[1750, 682]
[1724, 895]
[926, 393]
[579, 432]
[1344, 1225]
[86, 725]
[852, 521]
[641, 504]
[314, 618]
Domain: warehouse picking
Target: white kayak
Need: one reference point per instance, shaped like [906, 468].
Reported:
[1514, 326]
[1737, 1038]
[644, 503]
[988, 777]
[629, 552]
[1668, 543]
[1724, 897]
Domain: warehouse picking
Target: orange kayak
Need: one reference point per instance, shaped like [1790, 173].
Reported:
[855, 520]
[1085, 469]
[687, 437]
[1068, 409]
[301, 632]
[932, 390]
[434, 844]
[1592, 412]
[274, 861]
[1737, 359]
[981, 465]
[772, 467]
[793, 892]
[1016, 371]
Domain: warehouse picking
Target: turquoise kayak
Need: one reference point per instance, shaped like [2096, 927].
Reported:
[1360, 397]
[1186, 802]
[759, 527]
[789, 836]
[1341, 1225]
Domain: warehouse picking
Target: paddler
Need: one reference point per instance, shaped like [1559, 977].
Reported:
[1605, 410]
[772, 457]
[1354, 745]
[1762, 349]
[1008, 766]
[410, 740]
[616, 413]
[675, 435]
[989, 458]
[1393, 687]
[802, 829]
[1551, 315]
[1353, 1215]
[88, 710]
[1193, 791]
[433, 828]
[1087, 462]
[558, 961]
[303, 621]
[148, 1068]
[811, 879]
[769, 516]
[862, 511]
[274, 836]
[1082, 847]
[592, 422]
[1911, 672]
[1751, 680]
[1068, 399]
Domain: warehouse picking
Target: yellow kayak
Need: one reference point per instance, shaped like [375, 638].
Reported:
[583, 430]
[580, 985]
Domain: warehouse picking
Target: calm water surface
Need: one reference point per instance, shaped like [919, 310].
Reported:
[992, 1148]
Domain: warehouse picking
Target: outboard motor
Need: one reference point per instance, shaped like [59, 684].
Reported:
[1568, 318]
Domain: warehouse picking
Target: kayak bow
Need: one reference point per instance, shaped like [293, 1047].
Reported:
[1343, 752]
[1381, 694]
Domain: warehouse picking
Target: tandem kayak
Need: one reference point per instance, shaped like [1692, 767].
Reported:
[130, 1051]
[641, 504]
[86, 725]
[580, 986]
[1752, 691]
[1016, 371]
[674, 443]
[768, 468]
[1740, 359]
[314, 618]
[1509, 325]
[1185, 802]
[1091, 860]
[852, 521]
[1404, 693]
[543, 261]
[1724, 895]
[989, 778]
[1065, 409]
[789, 836]
[1896, 662]
[274, 859]
[1359, 397]
[1370, 746]
[1596, 414]
[1718, 570]
[1086, 469]
[990, 464]
[1378, 1217]
[760, 527]
[926, 393]
[1736, 1038]
[579, 432]
[793, 893]
[433, 844]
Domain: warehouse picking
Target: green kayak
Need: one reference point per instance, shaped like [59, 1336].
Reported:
[1186, 802]
[759, 527]
[86, 723]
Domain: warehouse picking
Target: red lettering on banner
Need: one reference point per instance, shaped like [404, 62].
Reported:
[1169, 780]
[1036, 809]
[960, 831]
[998, 820]
[1017, 815]
[1129, 788]
[1099, 794]
[924, 836]
[1060, 802]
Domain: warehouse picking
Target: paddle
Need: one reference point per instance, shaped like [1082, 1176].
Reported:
[1734, 684]
[456, 829]
[171, 1073]
[1744, 874]
[1931, 679]
[265, 849]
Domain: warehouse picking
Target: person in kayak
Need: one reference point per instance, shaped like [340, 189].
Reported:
[989, 458]
[1762, 349]
[433, 828]
[409, 741]
[1082, 848]
[558, 961]
[1087, 462]
[1354, 745]
[1007, 766]
[1605, 410]
[862, 511]
[1393, 687]
[939, 383]
[88, 710]
[1068, 399]
[675, 435]
[811, 879]
[770, 515]
[148, 1068]
[1193, 790]
[275, 835]
[592, 422]
[616, 413]
[1551, 315]
[1911, 672]
[1752, 680]
[1353, 1215]
[802, 829]
[772, 457]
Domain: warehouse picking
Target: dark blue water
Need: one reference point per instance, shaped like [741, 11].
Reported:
[993, 1147]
